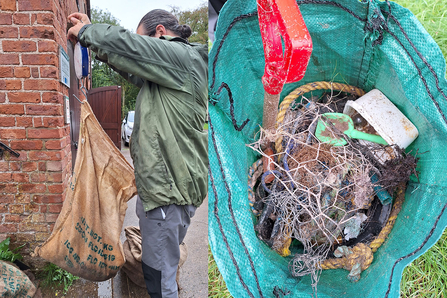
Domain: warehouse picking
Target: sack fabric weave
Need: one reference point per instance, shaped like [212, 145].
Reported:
[369, 44]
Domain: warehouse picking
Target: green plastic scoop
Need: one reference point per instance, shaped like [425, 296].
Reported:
[344, 124]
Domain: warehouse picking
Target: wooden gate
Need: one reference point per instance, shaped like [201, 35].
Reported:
[106, 104]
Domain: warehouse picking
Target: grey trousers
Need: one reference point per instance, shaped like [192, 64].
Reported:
[162, 231]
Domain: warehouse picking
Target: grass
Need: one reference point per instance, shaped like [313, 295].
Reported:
[433, 16]
[427, 275]
[54, 277]
[216, 285]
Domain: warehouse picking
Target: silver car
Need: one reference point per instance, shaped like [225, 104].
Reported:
[127, 127]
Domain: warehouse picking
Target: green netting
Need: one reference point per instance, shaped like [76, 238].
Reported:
[369, 44]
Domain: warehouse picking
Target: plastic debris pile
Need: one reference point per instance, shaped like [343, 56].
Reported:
[320, 196]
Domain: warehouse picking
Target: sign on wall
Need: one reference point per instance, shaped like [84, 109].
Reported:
[64, 67]
[67, 110]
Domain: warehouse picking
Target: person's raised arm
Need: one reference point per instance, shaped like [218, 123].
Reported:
[128, 77]
[162, 62]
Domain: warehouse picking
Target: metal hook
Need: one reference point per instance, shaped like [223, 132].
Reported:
[82, 90]
[3, 147]
[78, 99]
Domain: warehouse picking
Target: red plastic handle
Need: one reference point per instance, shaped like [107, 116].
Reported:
[282, 18]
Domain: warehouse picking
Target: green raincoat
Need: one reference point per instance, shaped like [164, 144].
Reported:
[168, 144]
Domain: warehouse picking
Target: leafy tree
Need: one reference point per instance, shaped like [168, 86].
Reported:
[197, 19]
[100, 16]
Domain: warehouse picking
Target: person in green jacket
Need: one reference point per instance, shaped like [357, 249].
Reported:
[168, 144]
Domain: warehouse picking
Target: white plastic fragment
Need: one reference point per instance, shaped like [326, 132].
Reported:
[385, 117]
[352, 228]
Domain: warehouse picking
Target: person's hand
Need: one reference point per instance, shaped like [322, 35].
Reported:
[78, 20]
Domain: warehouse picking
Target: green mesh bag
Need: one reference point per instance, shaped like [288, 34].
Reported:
[368, 44]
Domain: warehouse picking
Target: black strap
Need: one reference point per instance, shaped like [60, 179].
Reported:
[217, 4]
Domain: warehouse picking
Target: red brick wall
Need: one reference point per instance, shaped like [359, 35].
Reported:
[32, 187]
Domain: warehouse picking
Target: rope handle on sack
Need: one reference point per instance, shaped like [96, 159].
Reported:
[360, 257]
[290, 98]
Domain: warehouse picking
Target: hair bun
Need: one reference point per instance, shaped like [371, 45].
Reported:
[185, 31]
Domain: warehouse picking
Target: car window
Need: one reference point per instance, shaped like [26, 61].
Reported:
[130, 116]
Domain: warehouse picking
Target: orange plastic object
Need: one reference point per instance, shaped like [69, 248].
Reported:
[282, 18]
[268, 164]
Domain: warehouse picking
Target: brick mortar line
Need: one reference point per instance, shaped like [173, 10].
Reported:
[27, 25]
[46, 104]
[22, 127]
[28, 52]
[36, 39]
[33, 11]
[31, 78]
[15, 115]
